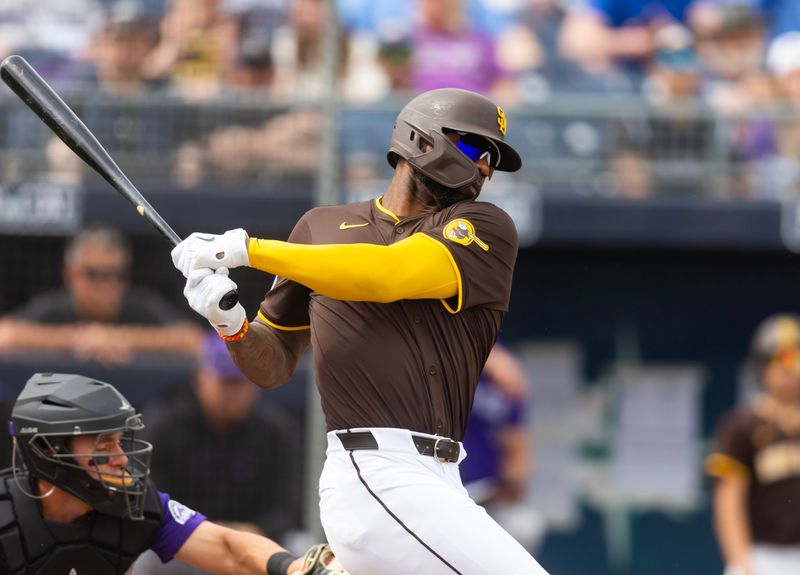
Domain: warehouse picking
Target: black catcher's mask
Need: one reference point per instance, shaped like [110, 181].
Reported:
[54, 408]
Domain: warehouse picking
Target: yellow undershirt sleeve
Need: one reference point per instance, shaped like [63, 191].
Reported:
[417, 267]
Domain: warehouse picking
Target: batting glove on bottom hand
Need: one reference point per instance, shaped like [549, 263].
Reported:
[319, 560]
[204, 288]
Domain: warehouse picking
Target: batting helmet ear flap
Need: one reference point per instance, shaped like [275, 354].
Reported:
[444, 162]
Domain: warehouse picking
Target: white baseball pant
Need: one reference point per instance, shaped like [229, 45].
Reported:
[775, 559]
[395, 512]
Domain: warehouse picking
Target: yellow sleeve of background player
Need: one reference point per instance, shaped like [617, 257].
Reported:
[417, 267]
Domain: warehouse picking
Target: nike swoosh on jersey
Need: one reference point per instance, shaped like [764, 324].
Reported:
[346, 226]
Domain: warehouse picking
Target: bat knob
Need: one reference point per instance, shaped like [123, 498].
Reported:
[229, 300]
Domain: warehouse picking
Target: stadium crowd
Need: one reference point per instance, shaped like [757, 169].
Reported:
[711, 85]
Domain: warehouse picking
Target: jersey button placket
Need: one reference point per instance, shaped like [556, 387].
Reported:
[399, 230]
[432, 370]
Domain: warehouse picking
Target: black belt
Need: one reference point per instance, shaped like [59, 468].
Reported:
[441, 448]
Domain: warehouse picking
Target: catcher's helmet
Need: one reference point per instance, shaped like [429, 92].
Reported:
[427, 117]
[51, 409]
[777, 333]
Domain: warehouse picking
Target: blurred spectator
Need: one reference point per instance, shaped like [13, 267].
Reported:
[255, 16]
[288, 142]
[666, 148]
[604, 34]
[52, 35]
[532, 65]
[235, 454]
[446, 51]
[197, 45]
[96, 315]
[771, 145]
[299, 55]
[730, 48]
[120, 49]
[253, 68]
[252, 24]
[298, 52]
[498, 467]
[783, 60]
[756, 461]
[527, 54]
[394, 56]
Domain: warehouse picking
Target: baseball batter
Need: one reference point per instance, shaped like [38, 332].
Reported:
[757, 462]
[401, 298]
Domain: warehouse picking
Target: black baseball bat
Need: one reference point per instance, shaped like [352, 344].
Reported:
[37, 94]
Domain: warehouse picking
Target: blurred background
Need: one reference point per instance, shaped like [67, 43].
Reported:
[657, 209]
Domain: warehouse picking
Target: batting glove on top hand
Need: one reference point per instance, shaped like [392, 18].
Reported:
[211, 251]
[204, 288]
[319, 560]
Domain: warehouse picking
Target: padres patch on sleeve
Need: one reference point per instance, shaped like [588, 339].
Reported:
[180, 512]
[462, 232]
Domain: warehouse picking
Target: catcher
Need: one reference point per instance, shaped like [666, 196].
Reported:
[83, 502]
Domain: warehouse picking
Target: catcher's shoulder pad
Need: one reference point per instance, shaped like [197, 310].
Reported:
[320, 560]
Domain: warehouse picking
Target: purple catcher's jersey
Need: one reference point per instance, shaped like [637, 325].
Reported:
[178, 524]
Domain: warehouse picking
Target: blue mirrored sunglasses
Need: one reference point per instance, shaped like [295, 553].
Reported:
[478, 150]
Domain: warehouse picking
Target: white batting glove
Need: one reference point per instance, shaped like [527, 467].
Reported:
[204, 288]
[199, 250]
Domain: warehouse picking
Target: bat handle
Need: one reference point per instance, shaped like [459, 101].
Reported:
[229, 300]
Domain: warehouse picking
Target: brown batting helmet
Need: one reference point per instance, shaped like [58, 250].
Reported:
[427, 117]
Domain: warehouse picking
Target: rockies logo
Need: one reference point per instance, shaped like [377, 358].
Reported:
[462, 232]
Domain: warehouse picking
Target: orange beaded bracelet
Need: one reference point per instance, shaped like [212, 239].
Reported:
[239, 334]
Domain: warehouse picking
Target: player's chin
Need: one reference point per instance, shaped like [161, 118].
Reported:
[473, 190]
[445, 196]
[469, 192]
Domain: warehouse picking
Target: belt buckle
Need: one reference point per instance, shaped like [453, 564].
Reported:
[436, 450]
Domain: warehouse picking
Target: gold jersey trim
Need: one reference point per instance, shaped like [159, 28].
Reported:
[266, 320]
[721, 465]
[379, 205]
[458, 276]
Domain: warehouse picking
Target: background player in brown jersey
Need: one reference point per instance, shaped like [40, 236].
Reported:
[757, 462]
[402, 298]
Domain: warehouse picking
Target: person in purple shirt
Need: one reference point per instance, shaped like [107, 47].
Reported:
[83, 502]
[448, 52]
[499, 463]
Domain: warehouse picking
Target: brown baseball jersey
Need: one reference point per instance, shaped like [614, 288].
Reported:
[410, 364]
[750, 443]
